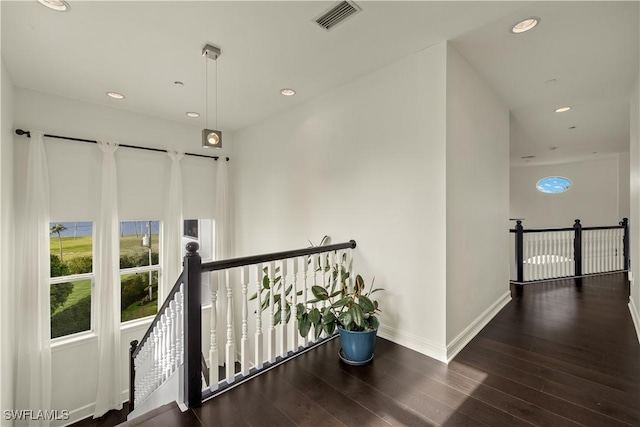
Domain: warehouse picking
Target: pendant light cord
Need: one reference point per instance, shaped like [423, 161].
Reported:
[206, 86]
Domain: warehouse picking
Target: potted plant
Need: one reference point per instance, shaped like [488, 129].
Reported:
[348, 309]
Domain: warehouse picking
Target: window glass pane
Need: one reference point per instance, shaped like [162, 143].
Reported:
[201, 231]
[70, 307]
[138, 300]
[553, 184]
[139, 243]
[71, 248]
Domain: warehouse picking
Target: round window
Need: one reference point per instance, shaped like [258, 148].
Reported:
[553, 184]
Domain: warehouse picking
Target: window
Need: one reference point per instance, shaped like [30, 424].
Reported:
[201, 231]
[71, 252]
[139, 267]
[553, 185]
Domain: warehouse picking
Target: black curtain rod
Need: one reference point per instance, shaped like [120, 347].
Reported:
[28, 134]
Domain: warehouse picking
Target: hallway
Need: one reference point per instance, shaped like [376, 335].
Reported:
[560, 354]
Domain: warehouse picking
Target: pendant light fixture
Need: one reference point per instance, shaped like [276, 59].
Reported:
[211, 137]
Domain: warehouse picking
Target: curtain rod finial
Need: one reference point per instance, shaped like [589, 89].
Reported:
[23, 132]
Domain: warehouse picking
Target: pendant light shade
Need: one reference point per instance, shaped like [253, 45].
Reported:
[211, 138]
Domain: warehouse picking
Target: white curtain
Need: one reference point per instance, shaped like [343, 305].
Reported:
[223, 215]
[33, 385]
[173, 228]
[106, 268]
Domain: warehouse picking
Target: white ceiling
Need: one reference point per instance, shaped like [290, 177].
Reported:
[141, 48]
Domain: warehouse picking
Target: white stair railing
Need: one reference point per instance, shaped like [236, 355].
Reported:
[173, 342]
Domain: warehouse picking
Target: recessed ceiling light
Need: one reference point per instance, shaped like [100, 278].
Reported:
[178, 82]
[193, 114]
[563, 109]
[551, 81]
[525, 25]
[115, 95]
[59, 5]
[528, 157]
[287, 92]
[572, 127]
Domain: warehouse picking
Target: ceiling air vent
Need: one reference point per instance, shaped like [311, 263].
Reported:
[337, 14]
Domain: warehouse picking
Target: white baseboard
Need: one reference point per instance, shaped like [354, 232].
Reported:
[84, 412]
[635, 315]
[459, 342]
[414, 342]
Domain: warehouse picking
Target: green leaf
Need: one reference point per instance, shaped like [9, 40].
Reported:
[366, 304]
[328, 317]
[265, 282]
[287, 313]
[304, 325]
[341, 302]
[300, 310]
[314, 316]
[335, 294]
[359, 284]
[318, 331]
[288, 290]
[373, 321]
[277, 317]
[254, 296]
[319, 292]
[329, 328]
[358, 315]
[346, 319]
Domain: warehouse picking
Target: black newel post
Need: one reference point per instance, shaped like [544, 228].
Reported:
[625, 242]
[577, 247]
[132, 375]
[192, 279]
[519, 251]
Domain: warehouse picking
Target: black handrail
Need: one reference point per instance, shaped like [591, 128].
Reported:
[257, 259]
[547, 230]
[156, 319]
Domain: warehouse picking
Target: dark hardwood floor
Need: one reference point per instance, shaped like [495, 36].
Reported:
[562, 353]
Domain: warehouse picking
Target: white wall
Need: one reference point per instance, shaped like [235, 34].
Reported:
[623, 185]
[593, 197]
[365, 161]
[75, 189]
[634, 223]
[7, 379]
[477, 202]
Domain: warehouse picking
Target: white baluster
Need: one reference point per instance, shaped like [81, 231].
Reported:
[587, 252]
[172, 334]
[230, 355]
[164, 363]
[620, 246]
[213, 334]
[349, 267]
[271, 337]
[259, 340]
[294, 304]
[305, 275]
[244, 339]
[610, 250]
[283, 307]
[180, 318]
[545, 255]
[600, 252]
[315, 282]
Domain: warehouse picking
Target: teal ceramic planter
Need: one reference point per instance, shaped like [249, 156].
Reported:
[357, 347]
